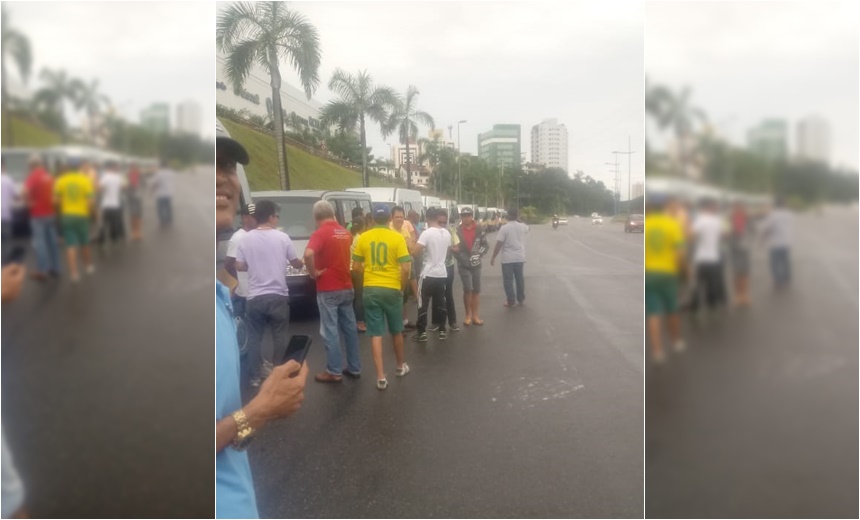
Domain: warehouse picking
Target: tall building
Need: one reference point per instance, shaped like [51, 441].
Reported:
[813, 139]
[189, 117]
[638, 190]
[769, 140]
[156, 118]
[549, 144]
[501, 145]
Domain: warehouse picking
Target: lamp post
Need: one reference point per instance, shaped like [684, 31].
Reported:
[459, 157]
[629, 153]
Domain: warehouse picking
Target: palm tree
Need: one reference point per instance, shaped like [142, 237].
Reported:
[671, 110]
[16, 46]
[359, 100]
[431, 155]
[59, 87]
[403, 119]
[265, 33]
[89, 99]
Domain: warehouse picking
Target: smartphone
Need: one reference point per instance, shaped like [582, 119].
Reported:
[297, 349]
[16, 256]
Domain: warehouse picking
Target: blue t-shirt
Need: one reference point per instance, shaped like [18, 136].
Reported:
[234, 486]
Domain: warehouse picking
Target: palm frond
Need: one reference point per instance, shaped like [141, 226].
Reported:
[340, 113]
[299, 44]
[241, 57]
[343, 84]
[240, 21]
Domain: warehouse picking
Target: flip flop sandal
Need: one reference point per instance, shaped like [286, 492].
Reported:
[479, 322]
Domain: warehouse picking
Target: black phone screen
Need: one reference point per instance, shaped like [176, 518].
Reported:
[297, 349]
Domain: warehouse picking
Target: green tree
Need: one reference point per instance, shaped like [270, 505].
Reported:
[88, 98]
[675, 112]
[265, 33]
[59, 88]
[15, 46]
[403, 120]
[359, 101]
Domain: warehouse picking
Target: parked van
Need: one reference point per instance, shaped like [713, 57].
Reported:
[297, 221]
[407, 199]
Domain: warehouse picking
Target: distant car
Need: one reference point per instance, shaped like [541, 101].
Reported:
[596, 219]
[595, 215]
[635, 223]
[562, 221]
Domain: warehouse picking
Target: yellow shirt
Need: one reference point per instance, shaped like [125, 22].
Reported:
[382, 251]
[663, 239]
[74, 190]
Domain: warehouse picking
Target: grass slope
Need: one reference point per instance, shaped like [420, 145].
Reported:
[20, 133]
[307, 171]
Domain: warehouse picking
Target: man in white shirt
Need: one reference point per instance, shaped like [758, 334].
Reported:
[511, 242]
[111, 186]
[777, 230]
[708, 230]
[240, 295]
[433, 244]
[162, 186]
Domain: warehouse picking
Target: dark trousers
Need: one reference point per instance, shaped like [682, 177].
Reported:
[510, 273]
[449, 300]
[710, 285]
[358, 303]
[432, 289]
[165, 211]
[780, 266]
[271, 310]
[113, 227]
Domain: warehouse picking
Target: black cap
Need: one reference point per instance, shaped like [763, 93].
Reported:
[466, 211]
[247, 209]
[232, 146]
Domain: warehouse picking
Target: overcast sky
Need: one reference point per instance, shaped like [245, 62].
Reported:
[142, 52]
[500, 62]
[747, 61]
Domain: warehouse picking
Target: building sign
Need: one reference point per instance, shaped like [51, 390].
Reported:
[253, 98]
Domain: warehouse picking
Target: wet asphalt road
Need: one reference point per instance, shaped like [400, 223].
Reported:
[108, 386]
[539, 413]
[759, 418]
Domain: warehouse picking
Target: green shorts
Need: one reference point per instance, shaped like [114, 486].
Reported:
[381, 304]
[661, 293]
[76, 230]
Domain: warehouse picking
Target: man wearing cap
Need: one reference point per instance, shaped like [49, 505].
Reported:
[473, 246]
[39, 194]
[74, 192]
[264, 253]
[381, 253]
[281, 394]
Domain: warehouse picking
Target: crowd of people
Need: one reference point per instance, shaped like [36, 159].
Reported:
[365, 275]
[688, 252]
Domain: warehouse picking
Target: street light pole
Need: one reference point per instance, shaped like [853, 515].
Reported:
[629, 153]
[459, 159]
[615, 193]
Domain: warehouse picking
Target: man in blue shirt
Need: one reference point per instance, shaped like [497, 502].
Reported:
[280, 395]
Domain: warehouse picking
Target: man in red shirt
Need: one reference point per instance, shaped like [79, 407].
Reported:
[327, 260]
[39, 194]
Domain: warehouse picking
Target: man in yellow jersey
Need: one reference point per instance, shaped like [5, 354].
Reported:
[381, 254]
[664, 255]
[73, 192]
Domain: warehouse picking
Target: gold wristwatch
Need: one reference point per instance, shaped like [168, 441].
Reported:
[245, 433]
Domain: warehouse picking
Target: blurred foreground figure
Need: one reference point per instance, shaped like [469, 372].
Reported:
[39, 194]
[135, 202]
[281, 394]
[74, 193]
[740, 252]
[162, 186]
[12, 487]
[777, 231]
[7, 190]
[707, 230]
[664, 256]
[111, 186]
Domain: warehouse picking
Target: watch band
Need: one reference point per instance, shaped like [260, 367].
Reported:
[244, 433]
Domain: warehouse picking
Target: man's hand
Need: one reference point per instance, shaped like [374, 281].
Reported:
[280, 395]
[12, 280]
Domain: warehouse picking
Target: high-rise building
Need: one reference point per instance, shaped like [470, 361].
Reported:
[549, 144]
[156, 118]
[769, 140]
[813, 139]
[189, 117]
[501, 145]
[638, 190]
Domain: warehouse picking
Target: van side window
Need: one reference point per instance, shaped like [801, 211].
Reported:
[366, 205]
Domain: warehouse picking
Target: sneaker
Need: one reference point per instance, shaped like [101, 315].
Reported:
[402, 371]
[408, 326]
[381, 384]
[443, 335]
[354, 375]
[91, 269]
[680, 346]
[454, 328]
[256, 382]
[420, 337]
[434, 328]
[325, 377]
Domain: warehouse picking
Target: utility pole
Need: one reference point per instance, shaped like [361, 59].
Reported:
[629, 153]
[459, 160]
[615, 194]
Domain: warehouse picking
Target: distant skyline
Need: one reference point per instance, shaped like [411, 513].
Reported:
[165, 56]
[582, 66]
[751, 61]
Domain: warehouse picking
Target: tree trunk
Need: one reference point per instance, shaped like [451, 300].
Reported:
[408, 162]
[274, 72]
[365, 179]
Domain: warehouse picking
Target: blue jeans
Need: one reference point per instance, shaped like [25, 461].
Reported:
[780, 266]
[46, 244]
[336, 312]
[165, 211]
[510, 272]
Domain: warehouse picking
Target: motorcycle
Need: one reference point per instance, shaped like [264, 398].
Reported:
[554, 225]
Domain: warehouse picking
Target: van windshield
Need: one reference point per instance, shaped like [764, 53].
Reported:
[297, 217]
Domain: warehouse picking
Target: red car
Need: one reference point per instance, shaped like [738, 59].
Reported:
[635, 223]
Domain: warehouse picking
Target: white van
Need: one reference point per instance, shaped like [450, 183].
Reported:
[407, 199]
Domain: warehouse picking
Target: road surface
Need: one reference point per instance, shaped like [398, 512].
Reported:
[759, 418]
[539, 413]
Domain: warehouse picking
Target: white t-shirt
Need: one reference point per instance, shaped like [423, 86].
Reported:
[436, 242]
[111, 185]
[513, 235]
[707, 228]
[163, 183]
[242, 276]
[778, 227]
[267, 253]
